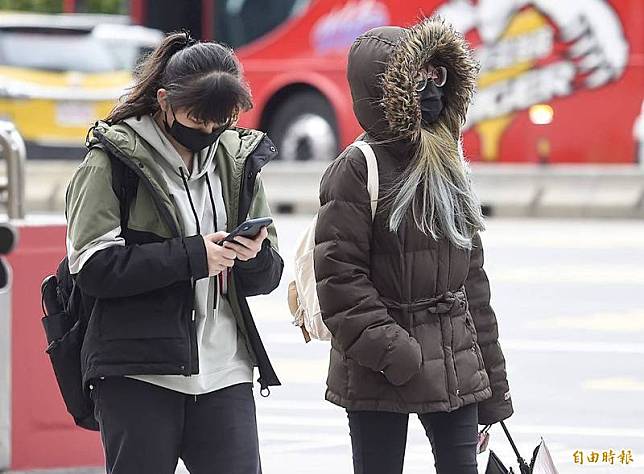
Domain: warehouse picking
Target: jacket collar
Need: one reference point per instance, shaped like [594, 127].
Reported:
[241, 151]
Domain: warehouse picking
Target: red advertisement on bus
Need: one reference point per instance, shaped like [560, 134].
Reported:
[561, 82]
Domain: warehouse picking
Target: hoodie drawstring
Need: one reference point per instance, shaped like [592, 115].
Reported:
[212, 201]
[223, 274]
[192, 204]
[194, 213]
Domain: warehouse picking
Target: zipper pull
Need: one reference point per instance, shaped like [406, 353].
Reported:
[194, 289]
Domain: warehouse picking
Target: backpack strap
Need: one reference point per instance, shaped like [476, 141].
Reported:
[373, 181]
[124, 184]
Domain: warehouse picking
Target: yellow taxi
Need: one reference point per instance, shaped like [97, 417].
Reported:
[60, 73]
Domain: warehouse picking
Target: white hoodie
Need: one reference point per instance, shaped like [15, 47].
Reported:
[223, 356]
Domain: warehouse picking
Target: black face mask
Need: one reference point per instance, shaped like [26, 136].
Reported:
[193, 139]
[431, 102]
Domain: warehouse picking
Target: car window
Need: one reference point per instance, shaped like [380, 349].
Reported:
[126, 54]
[57, 51]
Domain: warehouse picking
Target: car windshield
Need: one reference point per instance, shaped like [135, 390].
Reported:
[57, 51]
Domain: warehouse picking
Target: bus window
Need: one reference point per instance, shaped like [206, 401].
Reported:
[239, 22]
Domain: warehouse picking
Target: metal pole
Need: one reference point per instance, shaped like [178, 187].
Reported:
[12, 148]
[7, 242]
[5, 368]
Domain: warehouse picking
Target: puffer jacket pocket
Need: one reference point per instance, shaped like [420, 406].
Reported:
[152, 315]
[366, 384]
[469, 323]
[477, 349]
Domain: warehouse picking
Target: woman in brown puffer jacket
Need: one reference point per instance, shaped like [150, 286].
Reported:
[405, 296]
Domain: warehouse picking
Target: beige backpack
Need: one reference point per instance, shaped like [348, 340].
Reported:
[302, 294]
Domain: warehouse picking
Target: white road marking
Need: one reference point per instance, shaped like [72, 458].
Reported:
[513, 344]
[561, 430]
[614, 384]
[623, 321]
[597, 273]
[532, 345]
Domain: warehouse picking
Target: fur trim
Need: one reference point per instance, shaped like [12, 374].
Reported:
[435, 40]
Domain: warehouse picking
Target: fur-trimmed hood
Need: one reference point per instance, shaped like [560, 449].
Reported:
[383, 64]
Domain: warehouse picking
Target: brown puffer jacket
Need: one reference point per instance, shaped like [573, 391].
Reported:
[412, 326]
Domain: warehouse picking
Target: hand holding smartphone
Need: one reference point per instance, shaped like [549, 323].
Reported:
[249, 229]
[249, 246]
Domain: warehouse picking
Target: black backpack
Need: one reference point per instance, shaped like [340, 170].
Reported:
[67, 309]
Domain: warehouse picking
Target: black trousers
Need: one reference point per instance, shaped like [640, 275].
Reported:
[379, 439]
[145, 429]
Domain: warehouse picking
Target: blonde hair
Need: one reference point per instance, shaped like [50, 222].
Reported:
[436, 186]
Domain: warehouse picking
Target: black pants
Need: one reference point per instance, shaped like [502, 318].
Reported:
[379, 439]
[146, 428]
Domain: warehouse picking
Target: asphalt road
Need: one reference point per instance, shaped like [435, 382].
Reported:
[569, 298]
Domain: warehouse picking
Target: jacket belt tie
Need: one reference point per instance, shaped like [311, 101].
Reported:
[441, 304]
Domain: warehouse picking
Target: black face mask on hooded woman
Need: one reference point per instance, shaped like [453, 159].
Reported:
[193, 139]
[431, 102]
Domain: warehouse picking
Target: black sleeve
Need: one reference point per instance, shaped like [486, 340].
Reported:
[120, 271]
[260, 275]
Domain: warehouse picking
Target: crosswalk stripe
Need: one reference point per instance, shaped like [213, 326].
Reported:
[561, 430]
[532, 345]
[624, 321]
[615, 384]
[514, 344]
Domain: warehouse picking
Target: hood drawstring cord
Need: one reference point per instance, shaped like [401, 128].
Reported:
[192, 204]
[223, 274]
[214, 217]
[212, 201]
[194, 213]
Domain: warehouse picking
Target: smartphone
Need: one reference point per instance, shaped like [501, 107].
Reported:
[250, 228]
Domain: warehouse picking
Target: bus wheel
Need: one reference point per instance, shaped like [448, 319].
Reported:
[304, 129]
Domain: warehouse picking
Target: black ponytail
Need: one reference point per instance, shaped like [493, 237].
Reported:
[205, 78]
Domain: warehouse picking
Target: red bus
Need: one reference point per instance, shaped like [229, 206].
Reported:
[561, 82]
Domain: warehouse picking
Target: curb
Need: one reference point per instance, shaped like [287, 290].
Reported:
[505, 190]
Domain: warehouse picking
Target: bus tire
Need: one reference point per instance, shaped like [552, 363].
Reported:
[304, 128]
